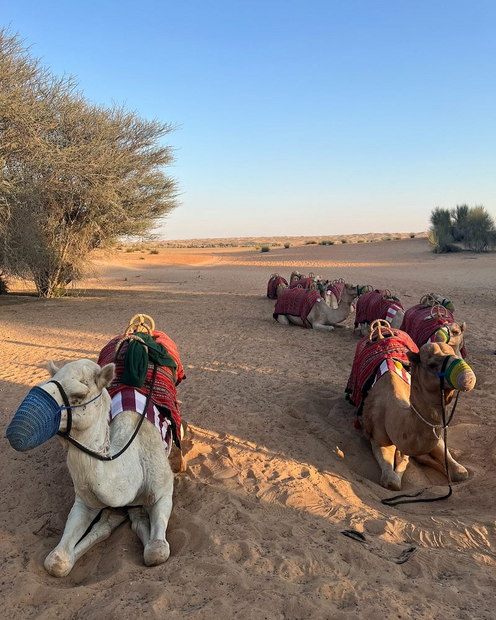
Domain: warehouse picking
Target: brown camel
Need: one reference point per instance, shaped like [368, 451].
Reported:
[402, 420]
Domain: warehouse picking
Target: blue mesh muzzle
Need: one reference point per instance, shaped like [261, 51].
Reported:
[36, 420]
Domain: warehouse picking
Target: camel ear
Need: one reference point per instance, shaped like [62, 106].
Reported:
[413, 357]
[105, 376]
[52, 369]
[463, 326]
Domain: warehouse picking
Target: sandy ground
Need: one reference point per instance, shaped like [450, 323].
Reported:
[276, 470]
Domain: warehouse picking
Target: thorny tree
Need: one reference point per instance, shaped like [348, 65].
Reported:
[74, 176]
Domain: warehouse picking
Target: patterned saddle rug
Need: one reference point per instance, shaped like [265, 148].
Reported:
[302, 283]
[167, 378]
[419, 323]
[378, 356]
[296, 302]
[376, 305]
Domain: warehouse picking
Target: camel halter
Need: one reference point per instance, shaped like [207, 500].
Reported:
[68, 407]
[397, 499]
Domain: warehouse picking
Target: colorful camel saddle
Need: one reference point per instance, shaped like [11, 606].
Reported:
[336, 289]
[376, 305]
[296, 302]
[424, 326]
[302, 283]
[135, 356]
[373, 358]
[272, 285]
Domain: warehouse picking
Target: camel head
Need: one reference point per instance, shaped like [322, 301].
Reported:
[437, 360]
[452, 334]
[349, 293]
[295, 275]
[43, 412]
[432, 299]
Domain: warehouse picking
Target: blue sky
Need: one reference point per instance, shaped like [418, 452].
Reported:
[293, 118]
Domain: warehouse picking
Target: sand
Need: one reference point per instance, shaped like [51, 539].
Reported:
[276, 470]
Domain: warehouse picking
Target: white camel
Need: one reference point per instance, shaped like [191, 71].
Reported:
[321, 317]
[402, 420]
[141, 479]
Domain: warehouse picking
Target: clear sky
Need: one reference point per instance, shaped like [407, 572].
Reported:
[293, 117]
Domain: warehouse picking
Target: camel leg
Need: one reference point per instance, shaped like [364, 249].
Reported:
[385, 457]
[323, 328]
[150, 524]
[61, 560]
[340, 325]
[283, 319]
[140, 524]
[400, 463]
[107, 523]
[157, 549]
[435, 459]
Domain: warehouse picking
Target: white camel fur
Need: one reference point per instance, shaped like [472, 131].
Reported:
[141, 479]
[323, 317]
[396, 431]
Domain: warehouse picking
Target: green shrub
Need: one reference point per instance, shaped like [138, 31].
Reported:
[153, 251]
[265, 248]
[286, 245]
[479, 232]
[344, 240]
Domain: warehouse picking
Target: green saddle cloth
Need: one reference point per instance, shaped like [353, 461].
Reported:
[137, 359]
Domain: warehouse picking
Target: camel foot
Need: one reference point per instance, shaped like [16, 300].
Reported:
[459, 474]
[58, 563]
[391, 481]
[156, 552]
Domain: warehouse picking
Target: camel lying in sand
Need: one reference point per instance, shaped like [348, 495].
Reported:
[305, 307]
[139, 482]
[403, 420]
[378, 304]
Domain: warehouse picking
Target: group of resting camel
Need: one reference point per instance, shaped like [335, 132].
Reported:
[117, 430]
[407, 368]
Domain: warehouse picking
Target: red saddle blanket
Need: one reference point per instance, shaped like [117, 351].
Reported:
[369, 355]
[302, 283]
[273, 284]
[164, 389]
[296, 302]
[421, 326]
[373, 305]
[336, 289]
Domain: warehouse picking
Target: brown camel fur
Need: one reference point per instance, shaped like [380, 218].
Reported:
[396, 431]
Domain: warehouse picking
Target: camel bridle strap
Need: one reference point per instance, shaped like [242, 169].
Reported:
[86, 450]
[396, 500]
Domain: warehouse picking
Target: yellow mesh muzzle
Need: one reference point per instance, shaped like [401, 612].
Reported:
[460, 376]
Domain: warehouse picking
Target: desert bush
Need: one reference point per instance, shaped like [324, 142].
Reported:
[412, 235]
[265, 248]
[311, 242]
[473, 227]
[459, 221]
[440, 233]
[344, 240]
[287, 245]
[154, 251]
[75, 176]
[479, 233]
